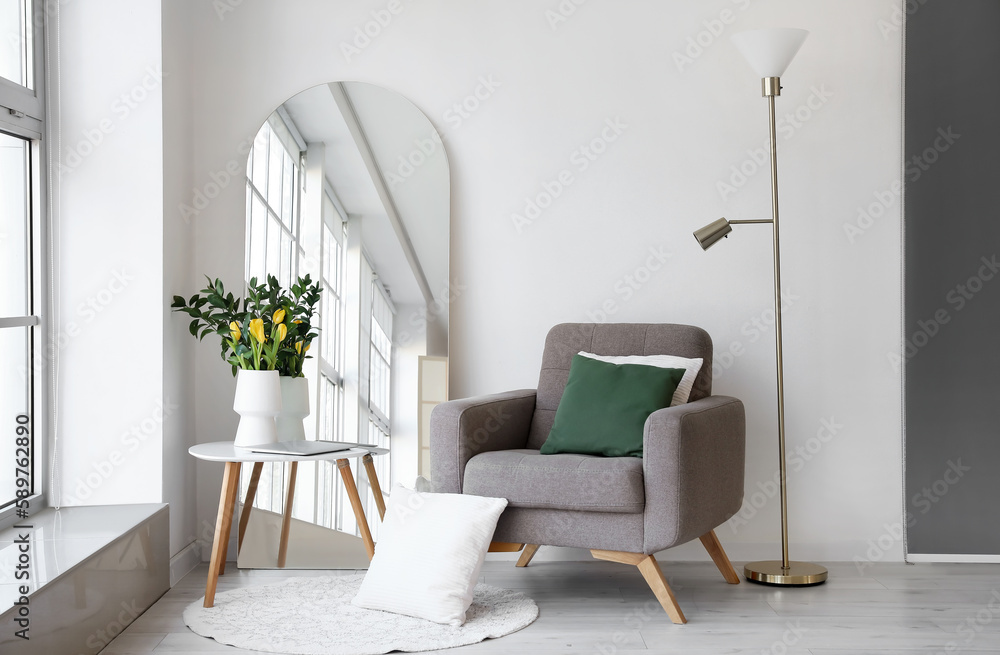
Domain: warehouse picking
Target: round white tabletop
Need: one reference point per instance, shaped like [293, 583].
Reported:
[225, 451]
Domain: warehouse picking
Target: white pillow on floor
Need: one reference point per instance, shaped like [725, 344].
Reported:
[430, 551]
[690, 366]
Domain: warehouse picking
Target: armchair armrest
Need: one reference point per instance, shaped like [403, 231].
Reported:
[461, 429]
[693, 466]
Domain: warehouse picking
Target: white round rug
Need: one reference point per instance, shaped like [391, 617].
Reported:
[314, 616]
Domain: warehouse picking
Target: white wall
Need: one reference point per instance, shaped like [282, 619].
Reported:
[106, 134]
[125, 391]
[180, 276]
[545, 92]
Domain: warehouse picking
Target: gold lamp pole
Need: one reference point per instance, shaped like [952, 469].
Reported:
[769, 52]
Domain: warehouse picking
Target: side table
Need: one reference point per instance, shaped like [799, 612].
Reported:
[234, 458]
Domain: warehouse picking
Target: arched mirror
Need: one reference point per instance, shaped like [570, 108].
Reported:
[348, 182]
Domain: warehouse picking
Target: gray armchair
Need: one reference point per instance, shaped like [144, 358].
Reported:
[623, 509]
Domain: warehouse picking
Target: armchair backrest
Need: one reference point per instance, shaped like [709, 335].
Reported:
[567, 339]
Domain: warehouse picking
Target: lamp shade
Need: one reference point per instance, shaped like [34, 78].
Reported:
[769, 51]
[708, 235]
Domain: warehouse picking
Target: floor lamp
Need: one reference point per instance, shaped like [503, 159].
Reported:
[769, 52]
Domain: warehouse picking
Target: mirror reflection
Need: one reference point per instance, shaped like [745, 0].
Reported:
[349, 183]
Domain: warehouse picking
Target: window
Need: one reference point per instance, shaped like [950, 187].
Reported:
[330, 353]
[272, 245]
[16, 51]
[330, 422]
[22, 364]
[15, 307]
[272, 179]
[380, 381]
[289, 233]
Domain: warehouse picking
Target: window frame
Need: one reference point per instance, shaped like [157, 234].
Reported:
[30, 103]
[273, 216]
[22, 115]
[380, 416]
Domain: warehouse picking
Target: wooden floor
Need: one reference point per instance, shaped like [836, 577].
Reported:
[604, 608]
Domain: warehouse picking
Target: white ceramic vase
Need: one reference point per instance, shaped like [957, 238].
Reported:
[258, 401]
[294, 408]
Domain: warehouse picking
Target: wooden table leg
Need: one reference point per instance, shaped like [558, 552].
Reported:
[286, 519]
[373, 481]
[229, 518]
[223, 522]
[248, 503]
[344, 466]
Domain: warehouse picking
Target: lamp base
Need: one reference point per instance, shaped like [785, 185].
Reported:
[801, 574]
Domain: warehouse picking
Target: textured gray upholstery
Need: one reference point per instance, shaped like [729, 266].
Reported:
[574, 482]
[557, 527]
[693, 462]
[567, 339]
[692, 466]
[461, 429]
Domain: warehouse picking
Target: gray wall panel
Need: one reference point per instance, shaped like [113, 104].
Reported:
[952, 298]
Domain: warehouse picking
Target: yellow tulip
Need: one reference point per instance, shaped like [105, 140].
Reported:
[234, 331]
[308, 347]
[257, 330]
[282, 332]
[297, 322]
[279, 316]
[298, 347]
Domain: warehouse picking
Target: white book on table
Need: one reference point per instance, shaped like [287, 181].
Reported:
[302, 447]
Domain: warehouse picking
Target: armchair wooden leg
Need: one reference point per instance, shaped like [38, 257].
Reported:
[714, 548]
[529, 552]
[504, 547]
[650, 570]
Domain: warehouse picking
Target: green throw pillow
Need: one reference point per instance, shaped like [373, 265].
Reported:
[605, 406]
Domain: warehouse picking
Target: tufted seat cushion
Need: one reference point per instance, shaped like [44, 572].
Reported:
[583, 483]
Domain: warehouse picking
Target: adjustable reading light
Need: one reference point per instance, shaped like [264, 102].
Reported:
[769, 52]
